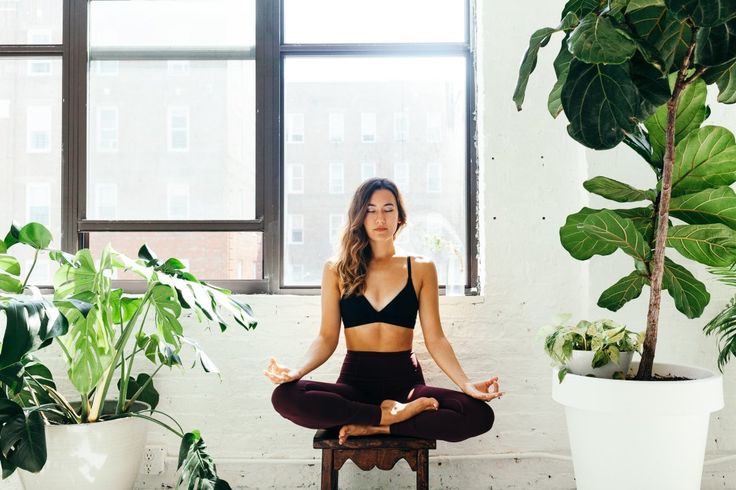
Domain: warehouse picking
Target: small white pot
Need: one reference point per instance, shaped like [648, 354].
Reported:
[640, 435]
[581, 360]
[104, 455]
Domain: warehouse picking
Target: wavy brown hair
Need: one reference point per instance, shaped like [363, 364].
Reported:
[355, 251]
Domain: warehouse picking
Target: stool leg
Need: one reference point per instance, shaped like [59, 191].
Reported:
[422, 469]
[329, 473]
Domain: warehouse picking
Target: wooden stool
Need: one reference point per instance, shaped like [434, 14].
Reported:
[367, 452]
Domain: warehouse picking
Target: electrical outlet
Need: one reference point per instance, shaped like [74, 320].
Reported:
[154, 458]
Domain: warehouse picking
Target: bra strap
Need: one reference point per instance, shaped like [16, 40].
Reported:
[408, 265]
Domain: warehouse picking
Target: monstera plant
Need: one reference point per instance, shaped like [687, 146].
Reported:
[637, 72]
[100, 332]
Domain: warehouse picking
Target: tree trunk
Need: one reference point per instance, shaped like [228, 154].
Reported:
[662, 225]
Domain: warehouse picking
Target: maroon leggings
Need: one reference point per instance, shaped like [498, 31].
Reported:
[368, 378]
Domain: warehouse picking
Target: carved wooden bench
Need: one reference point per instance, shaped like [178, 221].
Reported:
[371, 451]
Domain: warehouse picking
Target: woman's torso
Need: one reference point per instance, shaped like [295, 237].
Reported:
[382, 319]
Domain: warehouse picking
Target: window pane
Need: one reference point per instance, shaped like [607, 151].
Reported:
[210, 255]
[378, 99]
[378, 21]
[153, 129]
[31, 21]
[172, 23]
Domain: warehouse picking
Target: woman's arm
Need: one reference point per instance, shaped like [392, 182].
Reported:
[438, 345]
[329, 334]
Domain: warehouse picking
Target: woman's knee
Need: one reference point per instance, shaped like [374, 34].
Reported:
[285, 397]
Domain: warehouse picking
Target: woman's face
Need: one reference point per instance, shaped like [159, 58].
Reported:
[382, 217]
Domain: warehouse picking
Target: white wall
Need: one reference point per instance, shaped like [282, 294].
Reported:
[531, 176]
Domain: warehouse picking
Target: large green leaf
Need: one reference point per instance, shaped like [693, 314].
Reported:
[625, 289]
[529, 62]
[616, 191]
[13, 236]
[167, 309]
[689, 294]
[597, 40]
[601, 103]
[706, 207]
[583, 246]
[148, 395]
[640, 4]
[716, 45]
[713, 245]
[9, 264]
[36, 235]
[643, 219]
[706, 158]
[608, 226]
[195, 468]
[70, 281]
[562, 68]
[581, 8]
[669, 36]
[653, 87]
[10, 284]
[704, 12]
[727, 85]
[690, 115]
[24, 442]
[91, 344]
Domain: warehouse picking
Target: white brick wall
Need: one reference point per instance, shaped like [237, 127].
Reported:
[531, 175]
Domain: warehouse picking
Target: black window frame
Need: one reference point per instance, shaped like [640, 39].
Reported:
[270, 52]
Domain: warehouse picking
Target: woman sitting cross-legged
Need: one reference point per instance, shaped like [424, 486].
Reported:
[377, 294]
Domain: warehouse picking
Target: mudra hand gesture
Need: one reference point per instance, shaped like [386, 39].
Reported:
[483, 390]
[281, 374]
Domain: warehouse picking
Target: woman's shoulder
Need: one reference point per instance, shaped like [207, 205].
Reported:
[420, 263]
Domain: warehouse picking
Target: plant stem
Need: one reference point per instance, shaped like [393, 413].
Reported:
[124, 380]
[105, 383]
[28, 276]
[663, 213]
[140, 390]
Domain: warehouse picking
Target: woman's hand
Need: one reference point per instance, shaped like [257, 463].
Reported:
[483, 390]
[281, 374]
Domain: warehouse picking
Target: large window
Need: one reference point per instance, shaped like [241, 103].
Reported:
[220, 131]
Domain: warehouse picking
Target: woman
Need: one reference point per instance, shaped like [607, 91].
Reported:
[381, 388]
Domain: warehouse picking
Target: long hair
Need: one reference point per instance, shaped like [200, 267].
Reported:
[355, 251]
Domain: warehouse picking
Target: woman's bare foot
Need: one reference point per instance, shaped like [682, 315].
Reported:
[360, 430]
[393, 412]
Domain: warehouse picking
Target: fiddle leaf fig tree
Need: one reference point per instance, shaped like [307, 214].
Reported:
[637, 72]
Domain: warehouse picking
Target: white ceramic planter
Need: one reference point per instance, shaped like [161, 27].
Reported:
[639, 435]
[104, 455]
[581, 360]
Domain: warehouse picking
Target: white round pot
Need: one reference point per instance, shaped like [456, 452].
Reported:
[639, 435]
[582, 360]
[104, 455]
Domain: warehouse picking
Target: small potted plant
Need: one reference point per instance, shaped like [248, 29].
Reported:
[97, 441]
[601, 348]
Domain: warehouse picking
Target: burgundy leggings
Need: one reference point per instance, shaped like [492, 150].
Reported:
[368, 378]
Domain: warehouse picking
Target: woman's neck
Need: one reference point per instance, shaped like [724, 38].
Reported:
[382, 251]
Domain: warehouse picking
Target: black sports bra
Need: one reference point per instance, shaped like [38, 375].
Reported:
[401, 311]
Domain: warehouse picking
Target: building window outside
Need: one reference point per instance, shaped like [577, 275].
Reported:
[295, 178]
[337, 223]
[106, 202]
[401, 126]
[178, 201]
[337, 127]
[401, 176]
[178, 128]
[38, 203]
[177, 68]
[368, 127]
[296, 229]
[295, 128]
[38, 129]
[367, 170]
[107, 129]
[39, 68]
[434, 178]
[337, 178]
[434, 127]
